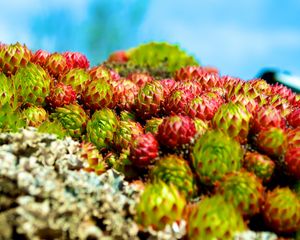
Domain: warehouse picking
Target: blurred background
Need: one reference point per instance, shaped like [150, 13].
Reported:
[238, 37]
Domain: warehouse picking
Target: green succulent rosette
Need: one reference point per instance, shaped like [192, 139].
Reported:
[234, 119]
[125, 132]
[175, 170]
[53, 127]
[244, 190]
[152, 125]
[34, 115]
[160, 55]
[214, 218]
[77, 78]
[159, 205]
[32, 84]
[73, 118]
[12, 57]
[215, 154]
[101, 128]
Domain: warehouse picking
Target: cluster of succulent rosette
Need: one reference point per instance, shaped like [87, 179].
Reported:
[217, 151]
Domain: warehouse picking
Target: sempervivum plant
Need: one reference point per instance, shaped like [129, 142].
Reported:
[202, 107]
[293, 136]
[176, 101]
[7, 93]
[12, 57]
[292, 160]
[176, 131]
[284, 92]
[168, 84]
[281, 210]
[244, 190]
[242, 88]
[214, 218]
[101, 128]
[53, 127]
[143, 149]
[173, 169]
[125, 92]
[157, 55]
[190, 73]
[152, 125]
[234, 119]
[261, 86]
[125, 132]
[250, 103]
[296, 103]
[159, 205]
[98, 94]
[191, 86]
[32, 84]
[126, 116]
[229, 82]
[118, 56]
[214, 95]
[34, 115]
[40, 57]
[281, 104]
[201, 126]
[153, 115]
[261, 165]
[215, 154]
[73, 118]
[56, 65]
[272, 141]
[149, 100]
[61, 94]
[77, 78]
[266, 117]
[10, 119]
[211, 80]
[293, 118]
[140, 79]
[99, 71]
[93, 160]
[76, 60]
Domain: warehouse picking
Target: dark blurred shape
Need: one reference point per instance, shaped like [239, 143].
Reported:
[273, 76]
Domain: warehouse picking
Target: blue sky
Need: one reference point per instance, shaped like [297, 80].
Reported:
[238, 37]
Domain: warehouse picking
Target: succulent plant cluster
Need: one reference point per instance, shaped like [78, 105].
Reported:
[219, 152]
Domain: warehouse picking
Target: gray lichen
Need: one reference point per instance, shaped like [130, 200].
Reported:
[250, 235]
[44, 193]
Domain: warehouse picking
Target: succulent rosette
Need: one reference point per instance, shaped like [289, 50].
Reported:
[215, 154]
[214, 218]
[176, 131]
[244, 190]
[32, 84]
[234, 119]
[12, 57]
[282, 210]
[101, 128]
[173, 169]
[159, 205]
[73, 118]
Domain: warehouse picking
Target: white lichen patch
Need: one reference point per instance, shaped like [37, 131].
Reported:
[48, 196]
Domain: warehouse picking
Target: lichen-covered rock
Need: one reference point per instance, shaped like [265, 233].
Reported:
[45, 194]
